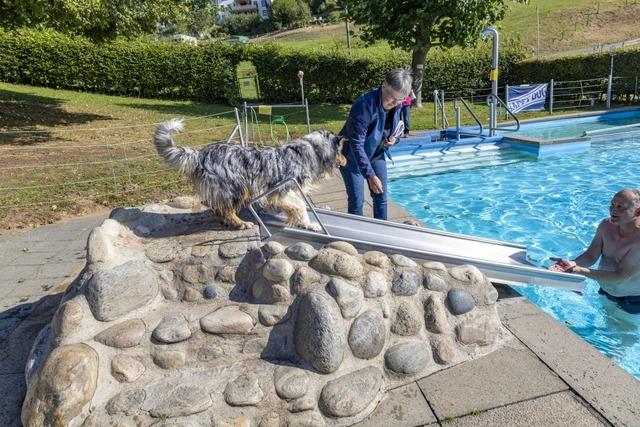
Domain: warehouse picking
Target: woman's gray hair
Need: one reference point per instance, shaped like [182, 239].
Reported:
[399, 80]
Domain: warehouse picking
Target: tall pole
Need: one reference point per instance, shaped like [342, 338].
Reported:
[346, 27]
[493, 76]
[301, 78]
[610, 82]
[538, 30]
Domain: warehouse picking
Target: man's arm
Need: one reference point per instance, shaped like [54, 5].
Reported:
[587, 258]
[628, 266]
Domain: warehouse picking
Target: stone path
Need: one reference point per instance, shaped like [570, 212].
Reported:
[549, 376]
[35, 267]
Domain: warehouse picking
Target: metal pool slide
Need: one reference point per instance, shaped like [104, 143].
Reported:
[501, 262]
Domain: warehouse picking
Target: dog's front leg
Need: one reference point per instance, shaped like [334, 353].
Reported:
[296, 211]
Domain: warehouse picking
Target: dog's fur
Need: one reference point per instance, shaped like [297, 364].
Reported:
[227, 176]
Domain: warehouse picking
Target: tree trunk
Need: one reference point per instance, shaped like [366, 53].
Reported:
[417, 66]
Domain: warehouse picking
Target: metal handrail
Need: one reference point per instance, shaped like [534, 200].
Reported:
[439, 105]
[501, 102]
[273, 190]
[474, 118]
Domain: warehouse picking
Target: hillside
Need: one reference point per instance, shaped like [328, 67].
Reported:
[566, 25]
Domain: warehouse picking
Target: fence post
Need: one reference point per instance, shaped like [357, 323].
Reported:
[551, 83]
[506, 100]
[246, 123]
[610, 81]
[306, 108]
[442, 109]
[239, 126]
[435, 109]
[635, 90]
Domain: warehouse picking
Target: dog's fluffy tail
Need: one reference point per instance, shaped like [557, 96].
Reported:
[184, 159]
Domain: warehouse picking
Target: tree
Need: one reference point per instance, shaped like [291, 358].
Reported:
[194, 17]
[95, 19]
[418, 25]
[290, 12]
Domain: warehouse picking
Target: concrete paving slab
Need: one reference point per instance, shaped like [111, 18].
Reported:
[34, 258]
[34, 287]
[604, 385]
[10, 403]
[401, 407]
[503, 377]
[558, 410]
[57, 271]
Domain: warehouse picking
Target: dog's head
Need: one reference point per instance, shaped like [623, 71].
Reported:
[336, 143]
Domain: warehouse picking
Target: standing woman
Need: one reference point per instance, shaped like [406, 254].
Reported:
[373, 125]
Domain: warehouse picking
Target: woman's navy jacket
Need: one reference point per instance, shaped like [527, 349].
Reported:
[364, 130]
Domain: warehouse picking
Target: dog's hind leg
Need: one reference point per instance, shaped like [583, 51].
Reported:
[229, 218]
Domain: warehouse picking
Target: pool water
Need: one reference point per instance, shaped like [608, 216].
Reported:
[569, 128]
[552, 206]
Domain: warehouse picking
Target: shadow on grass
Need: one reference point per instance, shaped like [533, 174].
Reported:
[21, 114]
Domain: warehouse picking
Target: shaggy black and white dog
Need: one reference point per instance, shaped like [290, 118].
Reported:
[227, 176]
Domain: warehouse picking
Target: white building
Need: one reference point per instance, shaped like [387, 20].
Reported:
[261, 7]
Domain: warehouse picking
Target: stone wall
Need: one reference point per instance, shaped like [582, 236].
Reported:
[179, 322]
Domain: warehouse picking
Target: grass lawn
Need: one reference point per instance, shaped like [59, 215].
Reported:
[65, 153]
[564, 25]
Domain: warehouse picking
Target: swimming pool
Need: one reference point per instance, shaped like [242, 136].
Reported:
[553, 206]
[574, 127]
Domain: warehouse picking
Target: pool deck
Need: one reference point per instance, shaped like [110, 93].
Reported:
[545, 376]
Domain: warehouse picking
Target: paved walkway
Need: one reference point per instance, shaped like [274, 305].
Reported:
[546, 376]
[36, 266]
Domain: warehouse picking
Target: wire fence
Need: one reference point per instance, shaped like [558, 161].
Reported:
[49, 173]
[561, 95]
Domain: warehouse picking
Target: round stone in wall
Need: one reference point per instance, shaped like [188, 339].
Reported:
[305, 279]
[233, 249]
[243, 391]
[123, 335]
[435, 314]
[210, 291]
[376, 284]
[173, 328]
[460, 301]
[377, 259]
[162, 250]
[443, 349]
[301, 251]
[434, 282]
[169, 359]
[180, 401]
[273, 248]
[125, 368]
[402, 261]
[352, 393]
[367, 335]
[480, 329]
[345, 247]
[406, 283]
[318, 334]
[277, 270]
[227, 320]
[335, 262]
[408, 357]
[348, 297]
[127, 402]
[408, 320]
[290, 382]
[270, 315]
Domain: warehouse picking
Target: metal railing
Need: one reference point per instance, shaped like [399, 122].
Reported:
[438, 107]
[277, 188]
[475, 117]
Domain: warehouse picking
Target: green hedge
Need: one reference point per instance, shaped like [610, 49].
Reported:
[207, 72]
[142, 68]
[338, 77]
[626, 64]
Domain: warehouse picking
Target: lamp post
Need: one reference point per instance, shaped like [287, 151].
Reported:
[493, 76]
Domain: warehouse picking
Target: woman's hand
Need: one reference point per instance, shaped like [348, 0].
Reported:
[375, 185]
[390, 141]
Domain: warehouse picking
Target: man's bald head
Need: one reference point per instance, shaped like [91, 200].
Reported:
[631, 194]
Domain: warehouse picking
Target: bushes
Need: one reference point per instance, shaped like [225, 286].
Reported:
[148, 69]
[246, 24]
[207, 72]
[626, 63]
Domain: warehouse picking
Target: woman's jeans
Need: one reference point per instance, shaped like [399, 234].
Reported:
[355, 184]
[405, 114]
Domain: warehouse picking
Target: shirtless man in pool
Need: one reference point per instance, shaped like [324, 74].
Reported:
[617, 243]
